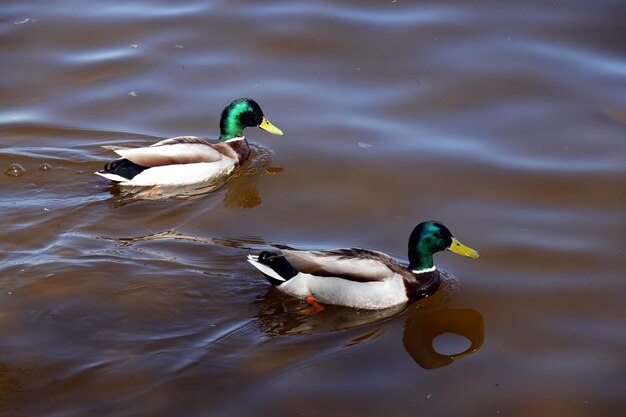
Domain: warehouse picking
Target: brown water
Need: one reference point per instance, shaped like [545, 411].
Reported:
[504, 120]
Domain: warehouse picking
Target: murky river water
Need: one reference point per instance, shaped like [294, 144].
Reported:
[504, 120]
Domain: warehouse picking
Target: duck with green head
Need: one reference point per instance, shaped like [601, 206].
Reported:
[187, 160]
[362, 278]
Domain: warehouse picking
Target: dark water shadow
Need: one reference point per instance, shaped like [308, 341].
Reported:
[280, 315]
[422, 327]
[238, 190]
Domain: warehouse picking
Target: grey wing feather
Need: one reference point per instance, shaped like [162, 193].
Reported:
[353, 264]
[182, 139]
[114, 147]
[179, 150]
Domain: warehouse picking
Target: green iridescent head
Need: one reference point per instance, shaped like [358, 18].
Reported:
[429, 238]
[240, 114]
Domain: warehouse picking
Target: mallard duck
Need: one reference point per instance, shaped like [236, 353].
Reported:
[361, 278]
[187, 160]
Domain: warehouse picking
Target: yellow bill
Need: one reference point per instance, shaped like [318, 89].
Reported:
[461, 249]
[267, 126]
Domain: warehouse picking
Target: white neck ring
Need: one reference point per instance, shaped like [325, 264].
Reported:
[421, 271]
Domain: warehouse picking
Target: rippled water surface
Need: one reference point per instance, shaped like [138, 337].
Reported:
[504, 120]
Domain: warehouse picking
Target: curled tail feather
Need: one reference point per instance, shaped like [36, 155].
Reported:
[274, 266]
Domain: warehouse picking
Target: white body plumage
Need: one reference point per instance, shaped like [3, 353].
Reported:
[182, 160]
[372, 295]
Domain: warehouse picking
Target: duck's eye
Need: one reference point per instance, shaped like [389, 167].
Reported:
[438, 234]
[250, 118]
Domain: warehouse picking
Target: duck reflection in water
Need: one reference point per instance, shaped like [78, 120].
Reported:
[237, 191]
[422, 327]
[424, 321]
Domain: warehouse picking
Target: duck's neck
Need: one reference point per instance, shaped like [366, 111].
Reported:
[420, 261]
[227, 134]
[230, 128]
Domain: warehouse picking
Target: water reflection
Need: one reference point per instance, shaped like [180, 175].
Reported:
[422, 327]
[123, 196]
[239, 189]
[280, 314]
[424, 321]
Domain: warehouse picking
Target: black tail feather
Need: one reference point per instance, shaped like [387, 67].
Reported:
[123, 168]
[279, 264]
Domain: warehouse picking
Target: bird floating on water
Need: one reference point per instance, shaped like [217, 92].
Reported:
[185, 160]
[361, 278]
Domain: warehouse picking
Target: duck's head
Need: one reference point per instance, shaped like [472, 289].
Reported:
[243, 113]
[429, 238]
